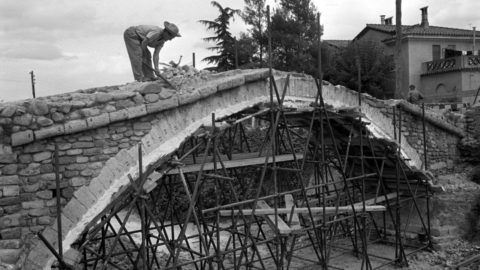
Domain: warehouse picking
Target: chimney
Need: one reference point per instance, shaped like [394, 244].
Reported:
[424, 22]
[388, 21]
[382, 19]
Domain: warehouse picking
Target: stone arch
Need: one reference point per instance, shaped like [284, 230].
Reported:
[177, 118]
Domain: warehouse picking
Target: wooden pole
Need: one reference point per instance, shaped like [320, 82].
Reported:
[32, 77]
[193, 59]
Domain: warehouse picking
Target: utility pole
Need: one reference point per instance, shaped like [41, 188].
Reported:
[193, 59]
[398, 49]
[32, 77]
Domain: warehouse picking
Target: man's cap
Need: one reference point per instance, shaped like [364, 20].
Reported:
[172, 28]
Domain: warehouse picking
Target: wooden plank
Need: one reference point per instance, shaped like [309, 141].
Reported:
[282, 227]
[379, 199]
[236, 163]
[329, 210]
[294, 219]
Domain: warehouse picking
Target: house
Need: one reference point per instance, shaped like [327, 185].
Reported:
[442, 62]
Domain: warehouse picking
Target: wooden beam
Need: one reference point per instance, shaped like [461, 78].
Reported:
[282, 227]
[379, 199]
[236, 162]
[294, 219]
[329, 210]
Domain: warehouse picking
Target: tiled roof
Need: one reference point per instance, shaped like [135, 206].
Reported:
[339, 43]
[419, 30]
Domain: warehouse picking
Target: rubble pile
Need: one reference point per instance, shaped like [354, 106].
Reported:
[184, 77]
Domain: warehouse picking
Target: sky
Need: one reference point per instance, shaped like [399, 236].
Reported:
[72, 45]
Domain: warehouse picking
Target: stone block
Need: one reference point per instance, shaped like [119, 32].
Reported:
[85, 197]
[78, 181]
[51, 235]
[98, 121]
[256, 75]
[74, 210]
[39, 255]
[9, 256]
[125, 159]
[207, 90]
[149, 88]
[150, 98]
[45, 220]
[96, 187]
[38, 212]
[38, 107]
[33, 204]
[9, 201]
[189, 97]
[106, 177]
[10, 244]
[11, 233]
[9, 180]
[14, 220]
[9, 191]
[103, 97]
[166, 93]
[142, 126]
[8, 111]
[74, 126]
[72, 257]
[115, 167]
[41, 156]
[230, 82]
[30, 170]
[44, 194]
[23, 120]
[137, 111]
[162, 105]
[44, 122]
[54, 130]
[119, 115]
[22, 137]
[9, 169]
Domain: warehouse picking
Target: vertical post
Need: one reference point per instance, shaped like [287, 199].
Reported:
[474, 34]
[269, 47]
[236, 52]
[58, 197]
[193, 59]
[425, 164]
[320, 74]
[32, 77]
[398, 48]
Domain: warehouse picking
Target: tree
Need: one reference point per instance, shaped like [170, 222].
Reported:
[377, 68]
[247, 58]
[254, 14]
[294, 36]
[223, 38]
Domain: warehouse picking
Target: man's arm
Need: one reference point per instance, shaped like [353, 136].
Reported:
[155, 56]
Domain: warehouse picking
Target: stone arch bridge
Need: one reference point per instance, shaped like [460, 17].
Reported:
[97, 132]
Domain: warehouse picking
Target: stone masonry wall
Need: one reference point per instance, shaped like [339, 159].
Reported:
[97, 131]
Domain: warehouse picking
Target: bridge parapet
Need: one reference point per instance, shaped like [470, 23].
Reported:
[97, 131]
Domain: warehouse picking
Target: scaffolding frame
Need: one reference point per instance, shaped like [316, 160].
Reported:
[323, 183]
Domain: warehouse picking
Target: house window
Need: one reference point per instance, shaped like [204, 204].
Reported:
[436, 52]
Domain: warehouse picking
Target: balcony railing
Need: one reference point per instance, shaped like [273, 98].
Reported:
[451, 64]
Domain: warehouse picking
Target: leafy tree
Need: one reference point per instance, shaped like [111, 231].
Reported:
[254, 14]
[246, 48]
[224, 42]
[294, 33]
[377, 69]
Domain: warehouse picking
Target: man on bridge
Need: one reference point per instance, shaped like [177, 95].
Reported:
[138, 39]
[414, 96]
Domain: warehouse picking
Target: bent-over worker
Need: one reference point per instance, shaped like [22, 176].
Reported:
[138, 39]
